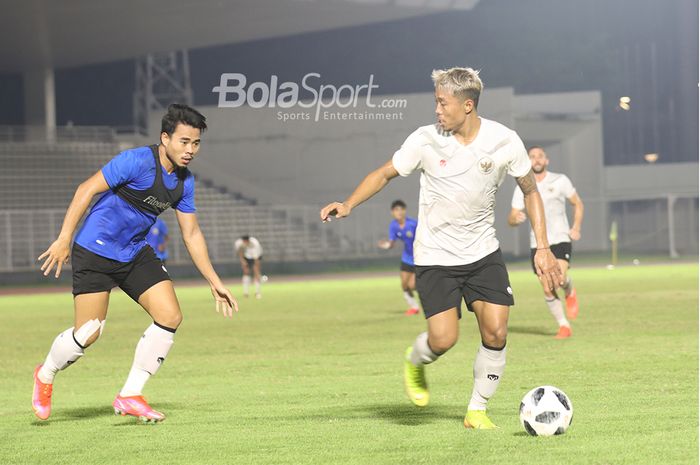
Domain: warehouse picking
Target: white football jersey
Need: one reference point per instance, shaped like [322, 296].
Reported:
[254, 249]
[458, 187]
[555, 189]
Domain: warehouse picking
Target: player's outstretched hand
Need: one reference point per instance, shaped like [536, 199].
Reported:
[548, 269]
[224, 300]
[384, 244]
[574, 234]
[337, 209]
[56, 255]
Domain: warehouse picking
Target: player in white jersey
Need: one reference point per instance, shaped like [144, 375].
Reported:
[463, 159]
[556, 189]
[249, 252]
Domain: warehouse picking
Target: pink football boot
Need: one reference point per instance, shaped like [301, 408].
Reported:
[138, 407]
[41, 397]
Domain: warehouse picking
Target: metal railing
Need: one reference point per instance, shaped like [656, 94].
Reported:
[287, 233]
[69, 133]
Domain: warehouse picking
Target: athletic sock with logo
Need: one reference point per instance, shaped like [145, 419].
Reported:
[557, 310]
[64, 351]
[151, 351]
[422, 354]
[488, 370]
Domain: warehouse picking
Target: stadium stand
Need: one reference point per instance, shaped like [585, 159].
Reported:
[39, 179]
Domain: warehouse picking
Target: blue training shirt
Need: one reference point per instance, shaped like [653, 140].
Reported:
[407, 234]
[114, 228]
[156, 237]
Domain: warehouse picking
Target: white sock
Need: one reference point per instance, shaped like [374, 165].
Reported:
[557, 310]
[488, 370]
[412, 303]
[568, 286]
[246, 283]
[422, 354]
[257, 286]
[64, 352]
[151, 351]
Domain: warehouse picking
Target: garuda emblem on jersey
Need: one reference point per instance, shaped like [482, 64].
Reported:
[485, 165]
[409, 234]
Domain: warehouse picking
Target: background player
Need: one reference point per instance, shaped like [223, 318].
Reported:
[463, 160]
[404, 229]
[157, 238]
[110, 250]
[250, 253]
[555, 190]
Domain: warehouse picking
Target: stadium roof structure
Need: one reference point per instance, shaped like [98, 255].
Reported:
[44, 34]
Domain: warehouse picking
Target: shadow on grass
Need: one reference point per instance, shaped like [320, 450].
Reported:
[80, 413]
[521, 434]
[539, 331]
[409, 415]
[88, 413]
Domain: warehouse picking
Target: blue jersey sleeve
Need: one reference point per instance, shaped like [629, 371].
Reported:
[393, 229]
[186, 203]
[123, 168]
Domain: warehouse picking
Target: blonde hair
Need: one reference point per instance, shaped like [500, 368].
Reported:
[461, 82]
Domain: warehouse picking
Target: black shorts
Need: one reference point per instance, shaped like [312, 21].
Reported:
[251, 261]
[408, 268]
[443, 287]
[94, 273]
[562, 251]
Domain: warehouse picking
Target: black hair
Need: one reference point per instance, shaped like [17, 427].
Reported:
[532, 147]
[245, 238]
[398, 203]
[179, 113]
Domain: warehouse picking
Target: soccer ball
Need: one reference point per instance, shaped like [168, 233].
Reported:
[546, 411]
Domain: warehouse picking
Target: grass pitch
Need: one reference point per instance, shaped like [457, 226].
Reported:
[312, 375]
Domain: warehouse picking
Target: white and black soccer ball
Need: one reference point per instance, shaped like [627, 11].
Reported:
[546, 411]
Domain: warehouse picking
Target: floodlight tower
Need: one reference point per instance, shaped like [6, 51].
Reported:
[161, 79]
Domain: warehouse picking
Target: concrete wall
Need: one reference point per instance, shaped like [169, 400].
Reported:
[632, 182]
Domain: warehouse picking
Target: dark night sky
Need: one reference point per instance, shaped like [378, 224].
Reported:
[542, 46]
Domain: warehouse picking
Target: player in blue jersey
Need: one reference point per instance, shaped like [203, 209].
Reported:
[403, 229]
[110, 250]
[157, 238]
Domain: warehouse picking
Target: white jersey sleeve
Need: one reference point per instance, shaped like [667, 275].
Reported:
[518, 201]
[408, 158]
[519, 164]
[567, 188]
[256, 247]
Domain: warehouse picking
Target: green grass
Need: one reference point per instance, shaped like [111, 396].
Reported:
[312, 375]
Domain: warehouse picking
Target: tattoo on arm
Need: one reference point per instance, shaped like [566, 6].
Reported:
[527, 183]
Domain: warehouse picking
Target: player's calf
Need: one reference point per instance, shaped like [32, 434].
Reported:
[489, 365]
[66, 349]
[151, 351]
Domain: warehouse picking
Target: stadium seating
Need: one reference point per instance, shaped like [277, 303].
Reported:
[38, 180]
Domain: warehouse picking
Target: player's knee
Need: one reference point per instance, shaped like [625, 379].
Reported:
[88, 333]
[443, 342]
[171, 320]
[92, 339]
[496, 337]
